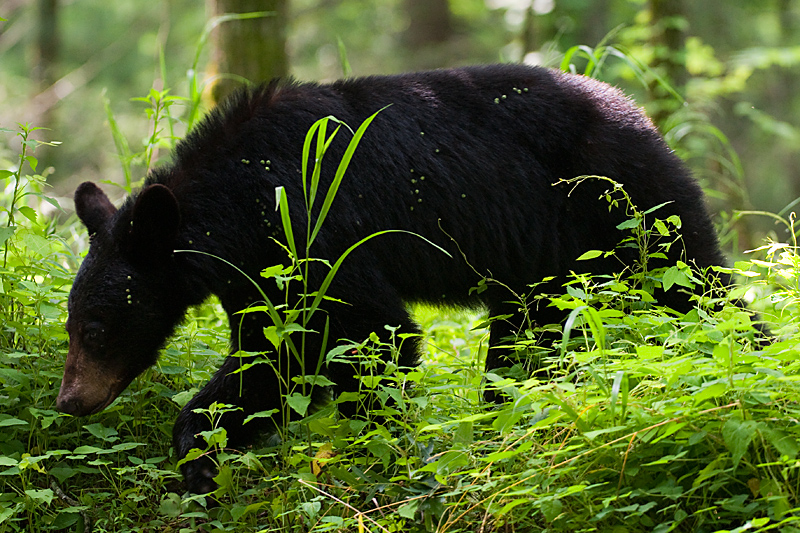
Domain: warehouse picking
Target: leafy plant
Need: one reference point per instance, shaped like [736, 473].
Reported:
[650, 421]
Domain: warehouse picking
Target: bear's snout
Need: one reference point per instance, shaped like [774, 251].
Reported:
[88, 385]
[70, 405]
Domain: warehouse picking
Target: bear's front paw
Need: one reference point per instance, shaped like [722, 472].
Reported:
[199, 475]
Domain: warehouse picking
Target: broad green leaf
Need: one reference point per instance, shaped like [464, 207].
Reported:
[675, 276]
[44, 496]
[102, 432]
[551, 509]
[630, 224]
[80, 450]
[125, 446]
[299, 403]
[224, 479]
[12, 422]
[238, 511]
[408, 510]
[215, 437]
[6, 233]
[737, 435]
[275, 270]
[510, 505]
[661, 228]
[591, 254]
[192, 454]
[260, 414]
[713, 390]
[315, 380]
[786, 443]
[36, 244]
[28, 213]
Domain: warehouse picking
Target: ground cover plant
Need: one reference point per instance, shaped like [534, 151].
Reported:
[644, 420]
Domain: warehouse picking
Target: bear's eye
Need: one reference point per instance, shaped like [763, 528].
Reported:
[93, 334]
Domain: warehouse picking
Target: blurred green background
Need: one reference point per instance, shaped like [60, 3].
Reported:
[735, 62]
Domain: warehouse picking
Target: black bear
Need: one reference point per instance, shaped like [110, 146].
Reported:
[470, 159]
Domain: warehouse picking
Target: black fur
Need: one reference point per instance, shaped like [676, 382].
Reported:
[471, 154]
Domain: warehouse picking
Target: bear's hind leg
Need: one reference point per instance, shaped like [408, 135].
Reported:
[398, 345]
[516, 337]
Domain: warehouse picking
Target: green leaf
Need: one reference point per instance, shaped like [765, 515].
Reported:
[6, 233]
[276, 270]
[713, 390]
[784, 442]
[592, 434]
[271, 334]
[224, 479]
[12, 422]
[282, 204]
[28, 213]
[215, 437]
[36, 244]
[260, 414]
[737, 435]
[125, 446]
[80, 450]
[649, 352]
[551, 509]
[44, 496]
[661, 228]
[675, 276]
[408, 510]
[315, 380]
[299, 403]
[102, 432]
[337, 179]
[630, 224]
[655, 208]
[238, 511]
[591, 254]
[291, 327]
[667, 459]
[191, 455]
[510, 505]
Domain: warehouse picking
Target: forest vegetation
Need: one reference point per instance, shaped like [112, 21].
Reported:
[649, 422]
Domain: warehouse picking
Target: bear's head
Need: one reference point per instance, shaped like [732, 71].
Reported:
[126, 298]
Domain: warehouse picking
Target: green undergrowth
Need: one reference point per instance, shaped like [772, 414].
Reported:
[648, 420]
[636, 419]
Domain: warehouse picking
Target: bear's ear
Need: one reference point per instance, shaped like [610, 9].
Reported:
[155, 220]
[93, 206]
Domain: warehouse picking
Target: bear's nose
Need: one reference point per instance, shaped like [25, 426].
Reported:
[70, 405]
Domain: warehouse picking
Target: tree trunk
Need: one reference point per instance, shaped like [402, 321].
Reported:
[45, 72]
[46, 44]
[667, 18]
[785, 90]
[252, 49]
